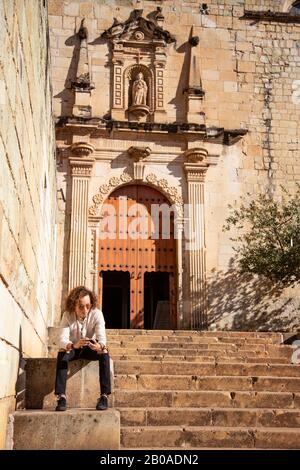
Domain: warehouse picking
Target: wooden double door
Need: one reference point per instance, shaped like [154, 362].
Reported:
[137, 259]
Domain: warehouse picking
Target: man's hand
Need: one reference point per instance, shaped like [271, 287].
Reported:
[98, 347]
[81, 343]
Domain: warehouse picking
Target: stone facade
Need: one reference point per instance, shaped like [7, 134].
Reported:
[27, 195]
[221, 84]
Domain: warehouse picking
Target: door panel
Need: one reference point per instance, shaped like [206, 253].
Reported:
[127, 243]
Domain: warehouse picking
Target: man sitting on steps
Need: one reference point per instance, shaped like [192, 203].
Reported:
[82, 337]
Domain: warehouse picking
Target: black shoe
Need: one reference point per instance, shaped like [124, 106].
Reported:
[102, 403]
[61, 404]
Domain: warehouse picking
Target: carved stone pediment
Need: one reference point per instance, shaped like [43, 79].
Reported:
[137, 28]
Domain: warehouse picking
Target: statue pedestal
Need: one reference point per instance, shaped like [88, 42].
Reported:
[138, 111]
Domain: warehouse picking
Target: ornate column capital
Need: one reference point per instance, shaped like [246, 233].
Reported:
[196, 155]
[194, 173]
[81, 149]
[196, 164]
[81, 168]
[80, 162]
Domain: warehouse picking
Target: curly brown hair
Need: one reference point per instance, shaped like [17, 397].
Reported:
[76, 294]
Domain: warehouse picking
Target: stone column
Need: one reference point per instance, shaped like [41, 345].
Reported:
[81, 168]
[195, 169]
[179, 238]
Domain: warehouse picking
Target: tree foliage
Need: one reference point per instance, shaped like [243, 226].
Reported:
[268, 236]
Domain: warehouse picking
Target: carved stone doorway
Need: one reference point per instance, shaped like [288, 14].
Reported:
[131, 216]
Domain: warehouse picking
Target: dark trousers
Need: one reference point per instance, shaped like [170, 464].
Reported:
[63, 359]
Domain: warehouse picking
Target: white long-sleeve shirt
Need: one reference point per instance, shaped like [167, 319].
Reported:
[72, 330]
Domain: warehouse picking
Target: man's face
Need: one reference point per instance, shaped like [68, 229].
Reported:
[83, 307]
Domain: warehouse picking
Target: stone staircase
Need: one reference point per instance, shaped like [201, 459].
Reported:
[204, 390]
[172, 390]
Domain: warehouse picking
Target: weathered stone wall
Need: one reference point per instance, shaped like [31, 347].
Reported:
[265, 5]
[249, 71]
[27, 195]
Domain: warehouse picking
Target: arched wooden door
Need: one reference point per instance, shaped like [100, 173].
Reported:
[136, 241]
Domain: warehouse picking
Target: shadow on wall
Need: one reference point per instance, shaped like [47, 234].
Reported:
[67, 96]
[179, 100]
[248, 303]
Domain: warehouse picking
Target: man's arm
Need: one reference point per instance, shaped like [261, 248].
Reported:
[100, 332]
[64, 337]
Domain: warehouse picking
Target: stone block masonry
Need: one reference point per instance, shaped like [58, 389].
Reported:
[27, 195]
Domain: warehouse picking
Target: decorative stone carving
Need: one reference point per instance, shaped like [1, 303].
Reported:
[114, 181]
[152, 178]
[193, 91]
[138, 58]
[120, 31]
[94, 210]
[83, 79]
[159, 17]
[196, 165]
[163, 183]
[139, 96]
[197, 155]
[81, 171]
[139, 90]
[104, 188]
[82, 85]
[98, 198]
[139, 35]
[138, 153]
[171, 192]
[82, 149]
[125, 177]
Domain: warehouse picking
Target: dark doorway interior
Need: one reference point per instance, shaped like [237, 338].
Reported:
[116, 299]
[157, 300]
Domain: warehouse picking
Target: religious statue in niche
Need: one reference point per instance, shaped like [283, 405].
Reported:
[139, 90]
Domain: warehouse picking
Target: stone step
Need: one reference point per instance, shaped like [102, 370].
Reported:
[187, 336]
[188, 340]
[72, 429]
[82, 385]
[198, 383]
[280, 353]
[159, 437]
[173, 333]
[208, 369]
[207, 398]
[260, 348]
[200, 359]
[209, 417]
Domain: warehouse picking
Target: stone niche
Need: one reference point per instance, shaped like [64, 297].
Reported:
[138, 60]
